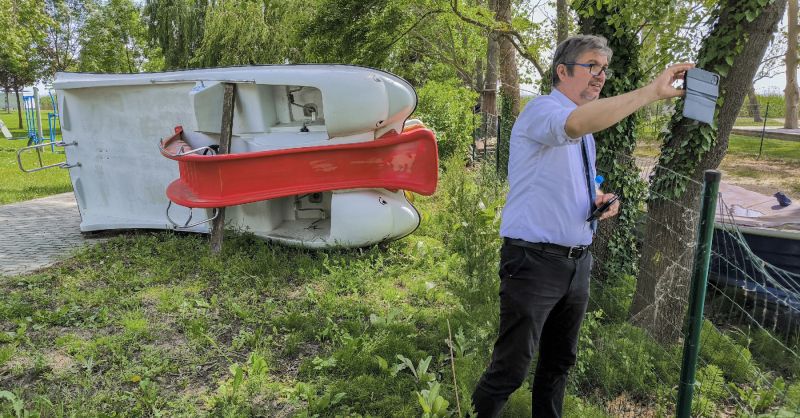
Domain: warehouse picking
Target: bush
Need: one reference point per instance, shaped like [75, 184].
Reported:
[719, 349]
[769, 351]
[446, 107]
[625, 359]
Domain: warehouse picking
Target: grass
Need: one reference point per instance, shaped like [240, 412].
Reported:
[748, 121]
[776, 170]
[152, 324]
[16, 185]
[773, 149]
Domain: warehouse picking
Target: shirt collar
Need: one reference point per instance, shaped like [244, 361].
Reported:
[564, 100]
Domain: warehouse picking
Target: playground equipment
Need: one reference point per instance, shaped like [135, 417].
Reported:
[52, 120]
[318, 156]
[33, 120]
[4, 130]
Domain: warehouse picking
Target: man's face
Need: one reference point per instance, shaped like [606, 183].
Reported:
[582, 87]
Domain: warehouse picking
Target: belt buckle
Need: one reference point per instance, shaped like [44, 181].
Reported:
[579, 249]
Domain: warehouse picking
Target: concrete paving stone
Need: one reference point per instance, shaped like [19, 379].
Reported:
[40, 232]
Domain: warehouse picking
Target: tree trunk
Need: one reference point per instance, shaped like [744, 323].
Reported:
[662, 289]
[509, 73]
[562, 21]
[792, 94]
[489, 93]
[19, 110]
[614, 246]
[8, 103]
[478, 75]
[753, 105]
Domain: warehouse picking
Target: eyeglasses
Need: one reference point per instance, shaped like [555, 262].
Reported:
[594, 69]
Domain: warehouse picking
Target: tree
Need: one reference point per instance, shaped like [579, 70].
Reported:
[62, 45]
[244, 32]
[771, 65]
[112, 40]
[562, 21]
[734, 48]
[791, 92]
[362, 32]
[509, 73]
[176, 27]
[23, 30]
[489, 92]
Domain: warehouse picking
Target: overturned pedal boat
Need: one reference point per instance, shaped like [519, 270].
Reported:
[318, 157]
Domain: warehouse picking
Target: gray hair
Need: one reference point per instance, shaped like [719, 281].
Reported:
[570, 49]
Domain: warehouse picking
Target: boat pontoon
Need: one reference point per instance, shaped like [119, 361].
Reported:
[318, 157]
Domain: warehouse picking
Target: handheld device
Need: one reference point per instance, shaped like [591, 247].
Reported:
[602, 208]
[702, 90]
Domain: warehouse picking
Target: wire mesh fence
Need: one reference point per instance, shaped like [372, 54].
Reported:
[748, 352]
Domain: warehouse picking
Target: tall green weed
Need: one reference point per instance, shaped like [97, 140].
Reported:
[446, 107]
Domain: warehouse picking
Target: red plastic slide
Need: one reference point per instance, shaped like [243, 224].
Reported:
[407, 161]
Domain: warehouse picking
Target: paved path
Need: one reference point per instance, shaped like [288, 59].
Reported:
[769, 132]
[39, 232]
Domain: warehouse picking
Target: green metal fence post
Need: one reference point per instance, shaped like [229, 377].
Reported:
[697, 295]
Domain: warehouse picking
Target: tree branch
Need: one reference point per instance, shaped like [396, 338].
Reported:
[513, 36]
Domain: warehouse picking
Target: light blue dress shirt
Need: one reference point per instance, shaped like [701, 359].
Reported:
[548, 200]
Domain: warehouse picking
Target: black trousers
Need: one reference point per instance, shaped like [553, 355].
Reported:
[543, 298]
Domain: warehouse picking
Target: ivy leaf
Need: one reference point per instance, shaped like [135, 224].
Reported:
[729, 60]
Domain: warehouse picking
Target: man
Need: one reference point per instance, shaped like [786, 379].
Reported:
[544, 261]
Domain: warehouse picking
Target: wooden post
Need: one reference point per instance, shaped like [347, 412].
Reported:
[218, 226]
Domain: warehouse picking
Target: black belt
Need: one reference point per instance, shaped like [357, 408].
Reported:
[569, 252]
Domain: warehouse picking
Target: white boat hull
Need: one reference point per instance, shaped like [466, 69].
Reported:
[120, 177]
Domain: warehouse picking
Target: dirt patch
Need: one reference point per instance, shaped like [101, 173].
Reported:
[59, 362]
[762, 176]
[624, 407]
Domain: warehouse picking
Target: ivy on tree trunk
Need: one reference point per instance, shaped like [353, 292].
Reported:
[615, 244]
[733, 49]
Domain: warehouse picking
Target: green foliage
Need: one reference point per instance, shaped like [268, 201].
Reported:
[719, 349]
[354, 31]
[619, 23]
[776, 102]
[263, 33]
[613, 296]
[446, 107]
[60, 52]
[113, 40]
[758, 397]
[686, 142]
[176, 28]
[709, 389]
[23, 29]
[471, 217]
[624, 358]
[768, 351]
[433, 405]
[576, 407]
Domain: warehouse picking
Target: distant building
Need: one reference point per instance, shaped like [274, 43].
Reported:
[12, 101]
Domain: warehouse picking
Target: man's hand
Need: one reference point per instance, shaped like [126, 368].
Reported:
[602, 113]
[613, 210]
[663, 86]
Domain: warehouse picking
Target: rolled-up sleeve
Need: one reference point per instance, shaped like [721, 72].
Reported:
[544, 121]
